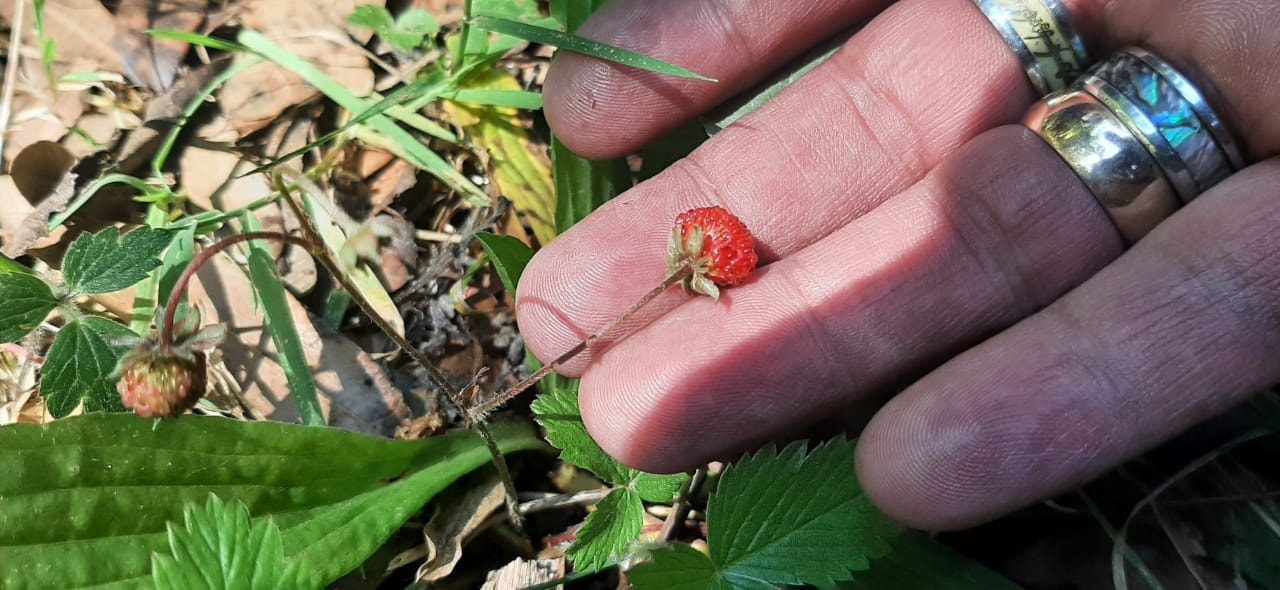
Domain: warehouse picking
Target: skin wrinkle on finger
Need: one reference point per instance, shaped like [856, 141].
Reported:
[601, 110]
[756, 358]
[846, 174]
[1182, 327]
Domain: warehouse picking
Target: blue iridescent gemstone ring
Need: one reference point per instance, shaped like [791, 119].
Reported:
[1168, 114]
[1140, 135]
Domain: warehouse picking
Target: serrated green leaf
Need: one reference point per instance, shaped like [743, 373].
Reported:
[279, 323]
[107, 261]
[916, 562]
[584, 46]
[679, 567]
[25, 301]
[219, 547]
[417, 22]
[153, 293]
[86, 500]
[608, 532]
[558, 413]
[509, 257]
[794, 517]
[79, 365]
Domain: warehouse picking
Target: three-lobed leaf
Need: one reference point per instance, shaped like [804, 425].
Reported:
[108, 261]
[608, 532]
[25, 301]
[219, 546]
[783, 518]
[86, 500]
[79, 366]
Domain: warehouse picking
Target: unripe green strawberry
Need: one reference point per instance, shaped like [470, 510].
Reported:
[717, 245]
[157, 385]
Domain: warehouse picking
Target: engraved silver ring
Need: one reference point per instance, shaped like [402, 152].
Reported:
[1041, 34]
[1140, 135]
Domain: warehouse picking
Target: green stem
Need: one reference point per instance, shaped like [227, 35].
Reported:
[465, 35]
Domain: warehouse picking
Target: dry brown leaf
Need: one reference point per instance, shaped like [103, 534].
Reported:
[460, 512]
[42, 177]
[314, 31]
[521, 574]
[78, 27]
[356, 392]
[148, 61]
[162, 113]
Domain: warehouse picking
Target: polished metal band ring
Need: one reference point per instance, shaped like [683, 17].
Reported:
[1140, 136]
[1041, 34]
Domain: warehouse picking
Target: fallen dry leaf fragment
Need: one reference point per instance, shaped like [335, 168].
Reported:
[460, 512]
[314, 31]
[521, 574]
[151, 62]
[79, 28]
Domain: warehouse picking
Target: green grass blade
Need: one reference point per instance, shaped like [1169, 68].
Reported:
[92, 190]
[572, 13]
[162, 154]
[391, 103]
[196, 39]
[520, 99]
[584, 46]
[401, 142]
[279, 323]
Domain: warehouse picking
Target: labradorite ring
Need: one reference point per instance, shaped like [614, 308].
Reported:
[1140, 136]
[1041, 34]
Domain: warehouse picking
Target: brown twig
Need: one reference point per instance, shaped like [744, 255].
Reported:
[683, 272]
[680, 509]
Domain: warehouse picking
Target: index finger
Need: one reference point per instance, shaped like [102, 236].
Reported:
[602, 110]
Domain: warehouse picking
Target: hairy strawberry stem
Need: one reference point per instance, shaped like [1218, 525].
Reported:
[681, 273]
[322, 254]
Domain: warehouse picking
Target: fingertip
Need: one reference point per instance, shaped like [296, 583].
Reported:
[572, 94]
[629, 429]
[544, 327]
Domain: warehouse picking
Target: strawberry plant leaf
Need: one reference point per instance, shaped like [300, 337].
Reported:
[917, 562]
[279, 323]
[679, 567]
[218, 546]
[608, 532]
[79, 365]
[558, 414]
[787, 518]
[25, 301]
[584, 46]
[108, 261]
[105, 486]
[509, 256]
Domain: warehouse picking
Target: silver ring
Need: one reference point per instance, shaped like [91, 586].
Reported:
[1111, 161]
[1041, 34]
[1182, 131]
[1140, 136]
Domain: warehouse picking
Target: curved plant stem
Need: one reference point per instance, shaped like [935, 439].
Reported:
[472, 419]
[683, 272]
[680, 509]
[322, 254]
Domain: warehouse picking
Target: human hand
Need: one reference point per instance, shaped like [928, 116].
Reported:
[911, 228]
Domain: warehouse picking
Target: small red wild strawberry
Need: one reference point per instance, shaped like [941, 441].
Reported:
[716, 245]
[709, 248]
